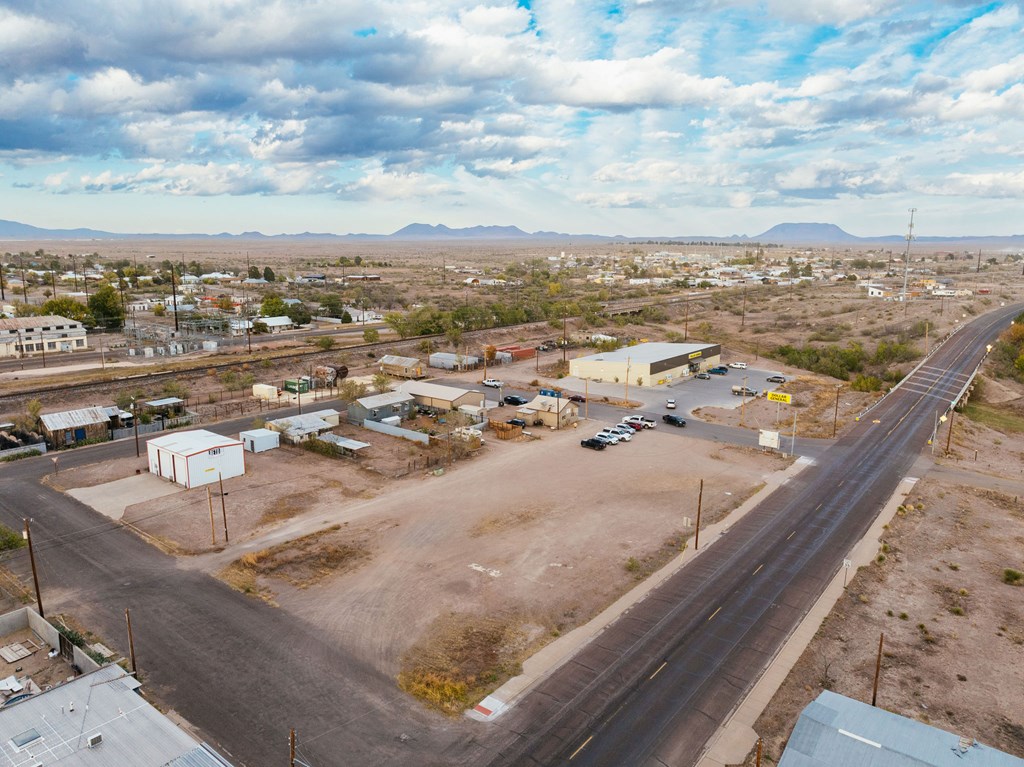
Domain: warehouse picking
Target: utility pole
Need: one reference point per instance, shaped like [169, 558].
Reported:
[627, 379]
[949, 434]
[291, 748]
[835, 416]
[174, 298]
[743, 315]
[24, 282]
[696, 534]
[906, 260]
[743, 404]
[757, 763]
[135, 425]
[213, 529]
[878, 670]
[131, 639]
[223, 506]
[978, 269]
[32, 561]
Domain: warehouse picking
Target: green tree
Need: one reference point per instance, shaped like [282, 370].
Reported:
[346, 318]
[105, 306]
[325, 342]
[65, 306]
[399, 323]
[381, 382]
[371, 335]
[333, 305]
[273, 306]
[254, 272]
[298, 313]
[268, 274]
[159, 310]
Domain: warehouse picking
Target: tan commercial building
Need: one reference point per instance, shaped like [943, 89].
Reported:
[21, 336]
[647, 364]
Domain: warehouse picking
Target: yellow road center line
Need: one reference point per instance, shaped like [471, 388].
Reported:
[582, 746]
[657, 671]
[715, 613]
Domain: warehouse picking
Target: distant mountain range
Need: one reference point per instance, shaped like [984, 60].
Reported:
[781, 234]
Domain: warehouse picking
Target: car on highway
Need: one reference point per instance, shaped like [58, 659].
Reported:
[515, 399]
[670, 404]
[494, 383]
[516, 422]
[593, 444]
[576, 398]
[606, 439]
[718, 371]
[618, 436]
[645, 422]
[738, 365]
[776, 379]
[673, 419]
[703, 376]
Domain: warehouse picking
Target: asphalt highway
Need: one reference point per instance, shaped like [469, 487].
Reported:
[655, 686]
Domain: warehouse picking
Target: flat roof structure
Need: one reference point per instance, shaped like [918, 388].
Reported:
[646, 354]
[192, 442]
[97, 720]
[836, 730]
[382, 400]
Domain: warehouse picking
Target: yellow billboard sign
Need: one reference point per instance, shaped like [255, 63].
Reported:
[694, 355]
[777, 396]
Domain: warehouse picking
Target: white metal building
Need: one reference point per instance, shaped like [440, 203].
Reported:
[20, 336]
[195, 458]
[647, 364]
[260, 440]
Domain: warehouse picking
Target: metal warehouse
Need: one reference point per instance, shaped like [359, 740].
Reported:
[195, 458]
[647, 364]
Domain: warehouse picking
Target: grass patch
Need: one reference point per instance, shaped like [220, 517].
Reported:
[1013, 577]
[303, 562]
[502, 522]
[463, 658]
[995, 417]
[10, 539]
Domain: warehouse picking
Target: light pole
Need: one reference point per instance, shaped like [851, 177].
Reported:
[835, 417]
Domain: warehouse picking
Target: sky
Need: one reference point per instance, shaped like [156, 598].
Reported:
[634, 117]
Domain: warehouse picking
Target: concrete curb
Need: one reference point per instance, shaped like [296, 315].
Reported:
[736, 738]
[550, 657]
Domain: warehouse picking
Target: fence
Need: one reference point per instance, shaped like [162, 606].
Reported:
[397, 431]
[41, 447]
[155, 426]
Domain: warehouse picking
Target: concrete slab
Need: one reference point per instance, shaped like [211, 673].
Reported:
[112, 498]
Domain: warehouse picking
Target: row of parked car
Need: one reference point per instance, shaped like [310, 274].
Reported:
[624, 430]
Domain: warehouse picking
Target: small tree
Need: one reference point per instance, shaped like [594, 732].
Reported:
[268, 274]
[350, 390]
[325, 342]
[371, 335]
[159, 310]
[381, 382]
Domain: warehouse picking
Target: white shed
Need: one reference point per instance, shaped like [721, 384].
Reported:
[195, 458]
[259, 440]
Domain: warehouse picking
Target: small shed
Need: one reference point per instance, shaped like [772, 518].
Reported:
[554, 412]
[449, 361]
[73, 426]
[401, 367]
[260, 440]
[381, 406]
[195, 458]
[350, 447]
[299, 428]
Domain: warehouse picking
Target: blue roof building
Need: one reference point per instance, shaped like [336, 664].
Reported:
[836, 731]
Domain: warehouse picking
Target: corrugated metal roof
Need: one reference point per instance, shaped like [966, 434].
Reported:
[26, 323]
[297, 425]
[646, 353]
[133, 732]
[387, 398]
[200, 756]
[165, 402]
[836, 731]
[70, 419]
[437, 391]
[394, 359]
[351, 444]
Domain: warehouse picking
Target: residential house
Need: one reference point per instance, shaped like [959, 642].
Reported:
[72, 427]
[380, 407]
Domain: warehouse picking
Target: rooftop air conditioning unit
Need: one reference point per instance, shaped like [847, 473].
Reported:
[95, 740]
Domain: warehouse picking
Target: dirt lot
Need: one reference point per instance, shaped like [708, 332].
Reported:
[954, 628]
[489, 540]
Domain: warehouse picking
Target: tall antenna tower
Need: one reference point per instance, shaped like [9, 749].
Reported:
[906, 258]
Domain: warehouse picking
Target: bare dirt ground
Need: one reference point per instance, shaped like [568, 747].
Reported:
[393, 564]
[954, 628]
